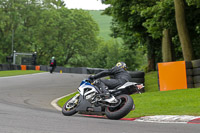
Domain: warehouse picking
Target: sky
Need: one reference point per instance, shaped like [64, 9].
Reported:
[85, 4]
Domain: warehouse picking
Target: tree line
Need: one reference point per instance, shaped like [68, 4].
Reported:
[46, 27]
[50, 29]
[152, 31]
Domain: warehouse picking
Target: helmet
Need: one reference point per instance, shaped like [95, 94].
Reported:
[53, 57]
[121, 65]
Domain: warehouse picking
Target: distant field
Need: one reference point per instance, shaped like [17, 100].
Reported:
[104, 23]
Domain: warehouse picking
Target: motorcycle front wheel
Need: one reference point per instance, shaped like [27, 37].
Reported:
[125, 106]
[69, 108]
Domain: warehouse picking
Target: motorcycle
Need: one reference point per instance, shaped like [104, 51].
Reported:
[90, 100]
[51, 69]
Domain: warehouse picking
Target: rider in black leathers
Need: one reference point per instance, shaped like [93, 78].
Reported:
[52, 64]
[119, 74]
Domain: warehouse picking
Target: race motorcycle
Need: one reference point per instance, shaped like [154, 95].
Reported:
[90, 100]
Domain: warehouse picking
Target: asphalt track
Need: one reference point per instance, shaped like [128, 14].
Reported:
[25, 108]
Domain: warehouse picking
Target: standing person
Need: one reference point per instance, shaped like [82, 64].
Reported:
[120, 77]
[52, 64]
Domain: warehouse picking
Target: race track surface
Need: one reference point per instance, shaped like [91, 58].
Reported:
[25, 108]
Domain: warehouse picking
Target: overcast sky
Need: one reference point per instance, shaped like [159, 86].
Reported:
[85, 4]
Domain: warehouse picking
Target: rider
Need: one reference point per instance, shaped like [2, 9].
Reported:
[52, 64]
[120, 77]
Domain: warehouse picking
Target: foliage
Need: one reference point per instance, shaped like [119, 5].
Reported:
[159, 17]
[48, 28]
[193, 2]
[127, 23]
[136, 21]
[68, 39]
[107, 54]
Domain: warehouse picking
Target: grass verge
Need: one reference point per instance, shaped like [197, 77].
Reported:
[154, 102]
[176, 102]
[17, 72]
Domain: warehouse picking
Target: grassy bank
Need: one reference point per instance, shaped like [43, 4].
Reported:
[154, 102]
[17, 72]
[177, 102]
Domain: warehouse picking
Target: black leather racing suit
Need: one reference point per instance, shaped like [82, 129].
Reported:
[119, 77]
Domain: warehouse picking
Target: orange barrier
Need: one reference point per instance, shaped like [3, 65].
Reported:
[23, 67]
[37, 68]
[172, 75]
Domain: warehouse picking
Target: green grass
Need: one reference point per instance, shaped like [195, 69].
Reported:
[155, 102]
[62, 101]
[17, 72]
[151, 82]
[177, 102]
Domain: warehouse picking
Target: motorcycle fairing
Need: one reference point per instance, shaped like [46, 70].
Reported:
[127, 84]
[86, 105]
[86, 88]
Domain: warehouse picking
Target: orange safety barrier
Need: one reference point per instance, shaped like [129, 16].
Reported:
[37, 68]
[23, 67]
[172, 75]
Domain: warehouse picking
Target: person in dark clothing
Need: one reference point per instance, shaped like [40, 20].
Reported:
[52, 64]
[119, 74]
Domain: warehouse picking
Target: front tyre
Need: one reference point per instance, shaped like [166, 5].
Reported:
[69, 108]
[125, 106]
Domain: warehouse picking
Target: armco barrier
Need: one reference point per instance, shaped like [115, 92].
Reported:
[6, 67]
[94, 70]
[136, 76]
[30, 67]
[44, 68]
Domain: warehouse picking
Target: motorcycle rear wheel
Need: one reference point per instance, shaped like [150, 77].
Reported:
[122, 109]
[72, 110]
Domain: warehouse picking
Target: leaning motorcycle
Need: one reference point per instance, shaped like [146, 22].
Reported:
[89, 100]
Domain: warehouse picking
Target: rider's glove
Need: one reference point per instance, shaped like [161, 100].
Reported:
[91, 78]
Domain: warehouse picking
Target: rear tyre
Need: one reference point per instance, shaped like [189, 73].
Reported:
[69, 108]
[125, 106]
[51, 69]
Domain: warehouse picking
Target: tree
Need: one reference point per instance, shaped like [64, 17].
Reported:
[48, 28]
[128, 25]
[160, 24]
[166, 46]
[107, 54]
[78, 36]
[161, 16]
[182, 30]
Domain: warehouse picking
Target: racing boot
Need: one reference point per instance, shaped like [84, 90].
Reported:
[107, 97]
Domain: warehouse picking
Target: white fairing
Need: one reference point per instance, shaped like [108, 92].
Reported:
[82, 89]
[126, 85]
